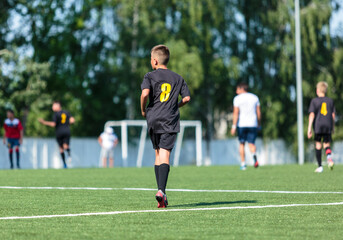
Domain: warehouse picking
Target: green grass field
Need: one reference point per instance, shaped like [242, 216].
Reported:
[292, 222]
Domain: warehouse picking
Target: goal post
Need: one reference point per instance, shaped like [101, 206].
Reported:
[124, 124]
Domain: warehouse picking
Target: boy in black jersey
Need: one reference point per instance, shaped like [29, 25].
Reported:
[61, 121]
[322, 117]
[163, 88]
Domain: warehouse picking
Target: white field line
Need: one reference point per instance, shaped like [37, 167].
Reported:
[170, 210]
[169, 190]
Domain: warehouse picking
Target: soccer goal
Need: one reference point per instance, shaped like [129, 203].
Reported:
[125, 124]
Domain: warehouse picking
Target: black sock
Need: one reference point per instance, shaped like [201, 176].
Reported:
[163, 176]
[157, 169]
[18, 158]
[63, 158]
[319, 157]
[11, 158]
[255, 157]
[68, 151]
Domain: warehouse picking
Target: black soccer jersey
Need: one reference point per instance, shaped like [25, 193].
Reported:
[162, 112]
[61, 119]
[322, 107]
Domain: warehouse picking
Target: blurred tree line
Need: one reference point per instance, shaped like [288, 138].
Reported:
[92, 55]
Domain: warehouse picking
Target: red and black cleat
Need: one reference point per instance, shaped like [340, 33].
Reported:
[256, 164]
[160, 197]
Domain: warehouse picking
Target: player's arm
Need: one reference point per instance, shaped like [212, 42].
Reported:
[21, 136]
[234, 120]
[310, 122]
[71, 120]
[333, 122]
[47, 123]
[258, 113]
[100, 140]
[184, 101]
[144, 100]
[4, 138]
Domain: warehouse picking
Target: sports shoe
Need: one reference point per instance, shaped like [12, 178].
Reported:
[319, 169]
[256, 164]
[165, 200]
[330, 164]
[65, 166]
[160, 199]
[243, 167]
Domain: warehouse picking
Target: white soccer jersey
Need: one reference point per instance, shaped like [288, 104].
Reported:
[247, 103]
[108, 140]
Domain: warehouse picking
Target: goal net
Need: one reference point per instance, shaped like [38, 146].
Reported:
[124, 126]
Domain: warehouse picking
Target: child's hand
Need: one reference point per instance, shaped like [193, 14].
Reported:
[309, 133]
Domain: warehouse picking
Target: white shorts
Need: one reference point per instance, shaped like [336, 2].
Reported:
[106, 153]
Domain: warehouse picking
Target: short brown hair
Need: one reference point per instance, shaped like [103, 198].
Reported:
[322, 87]
[243, 85]
[161, 52]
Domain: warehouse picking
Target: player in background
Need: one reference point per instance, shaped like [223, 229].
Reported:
[322, 117]
[107, 140]
[162, 87]
[14, 133]
[246, 121]
[61, 121]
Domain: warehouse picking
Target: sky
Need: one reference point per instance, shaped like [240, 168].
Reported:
[337, 23]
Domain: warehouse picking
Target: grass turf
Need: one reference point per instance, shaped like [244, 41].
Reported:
[306, 222]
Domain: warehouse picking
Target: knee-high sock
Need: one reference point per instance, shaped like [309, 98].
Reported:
[163, 176]
[319, 157]
[10, 152]
[254, 157]
[63, 157]
[157, 169]
[18, 156]
[68, 151]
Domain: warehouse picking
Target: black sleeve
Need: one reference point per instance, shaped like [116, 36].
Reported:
[184, 89]
[146, 82]
[54, 118]
[312, 107]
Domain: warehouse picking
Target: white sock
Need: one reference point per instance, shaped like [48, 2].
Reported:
[242, 164]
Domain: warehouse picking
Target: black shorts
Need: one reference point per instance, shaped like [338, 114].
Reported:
[163, 140]
[63, 139]
[325, 136]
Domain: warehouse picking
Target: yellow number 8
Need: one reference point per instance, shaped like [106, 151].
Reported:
[165, 88]
[64, 118]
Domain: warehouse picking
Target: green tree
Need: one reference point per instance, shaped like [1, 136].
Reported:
[23, 84]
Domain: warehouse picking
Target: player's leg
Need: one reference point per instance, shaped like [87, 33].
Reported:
[157, 167]
[111, 159]
[166, 144]
[66, 142]
[103, 157]
[252, 148]
[327, 147]
[162, 161]
[164, 168]
[318, 147]
[63, 156]
[66, 146]
[10, 153]
[251, 138]
[242, 137]
[60, 146]
[242, 155]
[17, 155]
[155, 140]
